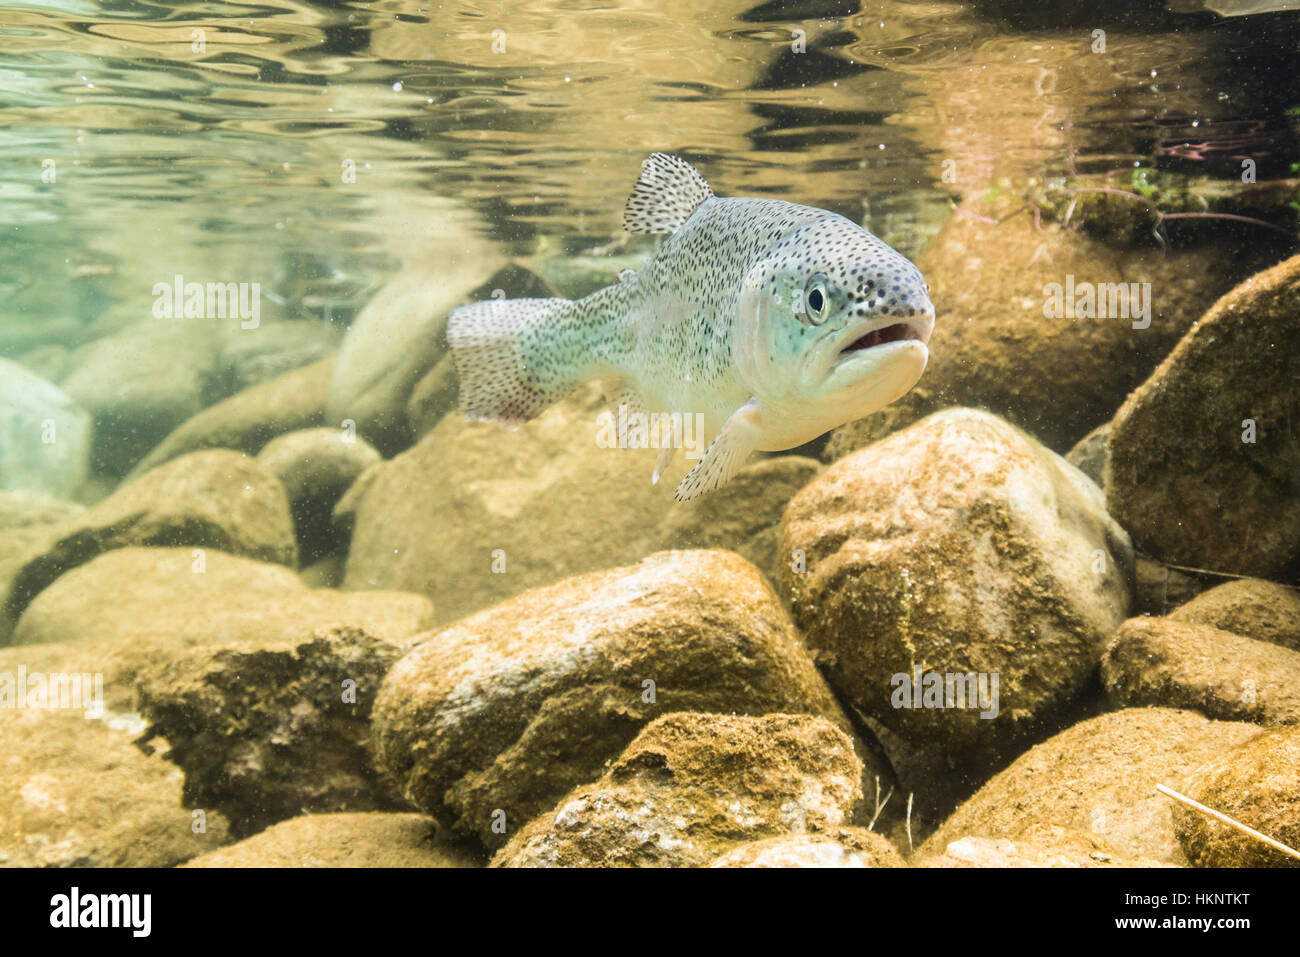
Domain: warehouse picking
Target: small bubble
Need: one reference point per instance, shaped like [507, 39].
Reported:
[397, 87]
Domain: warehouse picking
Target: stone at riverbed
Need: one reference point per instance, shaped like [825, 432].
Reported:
[1158, 588]
[476, 513]
[266, 733]
[1258, 609]
[504, 711]
[1166, 662]
[1203, 468]
[249, 419]
[396, 338]
[78, 793]
[140, 383]
[1256, 784]
[25, 520]
[693, 786]
[836, 847]
[745, 514]
[373, 839]
[961, 547]
[1099, 777]
[45, 437]
[217, 499]
[316, 466]
[1038, 845]
[172, 598]
[994, 346]
[1089, 454]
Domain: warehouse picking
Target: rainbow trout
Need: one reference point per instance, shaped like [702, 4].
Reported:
[767, 322]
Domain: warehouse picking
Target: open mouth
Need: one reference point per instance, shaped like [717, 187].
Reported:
[898, 332]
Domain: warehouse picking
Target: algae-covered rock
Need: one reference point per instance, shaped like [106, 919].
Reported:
[1099, 776]
[1256, 784]
[1203, 468]
[835, 847]
[1166, 662]
[373, 839]
[216, 499]
[1258, 609]
[959, 547]
[691, 787]
[498, 715]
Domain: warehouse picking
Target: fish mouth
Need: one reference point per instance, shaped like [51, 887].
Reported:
[908, 330]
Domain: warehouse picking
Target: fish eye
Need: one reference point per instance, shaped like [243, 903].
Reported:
[817, 299]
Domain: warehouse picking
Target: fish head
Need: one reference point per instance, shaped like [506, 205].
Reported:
[838, 325]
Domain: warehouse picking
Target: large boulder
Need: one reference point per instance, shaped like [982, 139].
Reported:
[691, 787]
[950, 556]
[498, 715]
[1203, 467]
[1099, 777]
[217, 499]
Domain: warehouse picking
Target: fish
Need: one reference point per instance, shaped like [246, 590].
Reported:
[768, 322]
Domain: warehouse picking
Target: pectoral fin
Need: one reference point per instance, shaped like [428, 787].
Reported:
[725, 454]
[661, 463]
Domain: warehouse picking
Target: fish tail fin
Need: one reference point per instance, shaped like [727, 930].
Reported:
[500, 347]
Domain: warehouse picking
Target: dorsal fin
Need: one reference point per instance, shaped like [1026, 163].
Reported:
[665, 196]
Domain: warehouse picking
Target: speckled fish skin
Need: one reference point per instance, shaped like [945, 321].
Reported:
[752, 313]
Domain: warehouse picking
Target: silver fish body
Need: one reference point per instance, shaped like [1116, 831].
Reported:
[770, 321]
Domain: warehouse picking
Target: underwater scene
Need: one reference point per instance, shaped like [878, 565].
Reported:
[644, 434]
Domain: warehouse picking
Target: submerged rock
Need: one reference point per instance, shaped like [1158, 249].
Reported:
[1256, 784]
[958, 547]
[25, 522]
[1166, 662]
[316, 466]
[495, 717]
[1099, 777]
[1203, 468]
[217, 499]
[269, 733]
[1038, 845]
[691, 787]
[1263, 610]
[1089, 454]
[78, 793]
[745, 514]
[995, 347]
[372, 839]
[45, 436]
[836, 847]
[476, 513]
[173, 598]
[248, 420]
